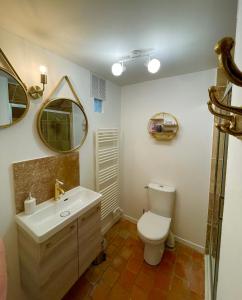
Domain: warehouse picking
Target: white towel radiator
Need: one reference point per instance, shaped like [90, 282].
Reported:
[107, 169]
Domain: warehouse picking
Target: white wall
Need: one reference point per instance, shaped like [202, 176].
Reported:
[230, 267]
[21, 142]
[183, 162]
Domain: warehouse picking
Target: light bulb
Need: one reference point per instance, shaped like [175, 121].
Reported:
[153, 65]
[43, 70]
[117, 69]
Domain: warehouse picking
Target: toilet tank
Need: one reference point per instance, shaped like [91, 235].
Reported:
[161, 199]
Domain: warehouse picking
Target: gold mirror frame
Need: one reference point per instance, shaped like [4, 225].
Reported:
[45, 105]
[47, 102]
[14, 75]
[163, 136]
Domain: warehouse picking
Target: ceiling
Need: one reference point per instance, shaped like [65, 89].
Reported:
[95, 33]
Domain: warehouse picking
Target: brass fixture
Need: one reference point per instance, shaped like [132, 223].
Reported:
[230, 116]
[16, 104]
[62, 123]
[163, 126]
[58, 190]
[36, 91]
[223, 50]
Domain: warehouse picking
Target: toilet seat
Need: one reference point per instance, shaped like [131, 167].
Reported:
[153, 228]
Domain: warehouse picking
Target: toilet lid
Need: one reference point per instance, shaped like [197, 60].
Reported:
[153, 226]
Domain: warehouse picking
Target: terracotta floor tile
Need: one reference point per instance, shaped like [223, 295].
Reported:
[148, 269]
[197, 256]
[132, 227]
[169, 256]
[183, 270]
[104, 265]
[111, 251]
[184, 249]
[157, 294]
[118, 241]
[184, 258]
[118, 293]
[79, 290]
[198, 267]
[127, 279]
[174, 295]
[196, 284]
[110, 276]
[166, 267]
[118, 263]
[194, 296]
[137, 253]
[110, 235]
[138, 294]
[126, 252]
[134, 265]
[179, 288]
[124, 223]
[145, 281]
[124, 233]
[130, 242]
[163, 281]
[93, 274]
[126, 276]
[101, 291]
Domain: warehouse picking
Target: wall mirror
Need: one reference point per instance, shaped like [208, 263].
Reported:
[14, 102]
[163, 126]
[62, 124]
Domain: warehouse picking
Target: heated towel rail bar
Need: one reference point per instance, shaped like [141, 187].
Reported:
[107, 169]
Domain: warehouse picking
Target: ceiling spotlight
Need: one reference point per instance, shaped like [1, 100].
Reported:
[153, 65]
[118, 69]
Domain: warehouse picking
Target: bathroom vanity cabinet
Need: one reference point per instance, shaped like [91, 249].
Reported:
[49, 269]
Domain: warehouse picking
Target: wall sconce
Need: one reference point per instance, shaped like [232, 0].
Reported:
[36, 91]
[230, 116]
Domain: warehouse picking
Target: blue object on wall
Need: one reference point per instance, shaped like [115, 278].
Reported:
[98, 105]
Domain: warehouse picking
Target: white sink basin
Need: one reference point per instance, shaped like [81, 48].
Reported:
[51, 216]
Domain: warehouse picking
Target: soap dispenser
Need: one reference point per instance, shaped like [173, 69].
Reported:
[29, 205]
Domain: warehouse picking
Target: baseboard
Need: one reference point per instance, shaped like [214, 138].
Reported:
[195, 246]
[131, 219]
[207, 278]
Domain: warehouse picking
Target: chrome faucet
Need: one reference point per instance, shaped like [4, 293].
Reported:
[58, 190]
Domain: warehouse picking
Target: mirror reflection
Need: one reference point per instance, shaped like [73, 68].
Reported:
[62, 124]
[13, 99]
[163, 126]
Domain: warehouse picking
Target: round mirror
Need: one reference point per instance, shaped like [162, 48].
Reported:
[62, 124]
[163, 126]
[14, 102]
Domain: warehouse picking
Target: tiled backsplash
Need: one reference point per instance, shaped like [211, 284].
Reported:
[38, 177]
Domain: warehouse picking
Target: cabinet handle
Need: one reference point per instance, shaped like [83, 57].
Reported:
[72, 227]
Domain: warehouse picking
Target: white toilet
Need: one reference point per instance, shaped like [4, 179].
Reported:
[154, 225]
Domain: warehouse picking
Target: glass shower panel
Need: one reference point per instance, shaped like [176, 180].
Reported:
[218, 177]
